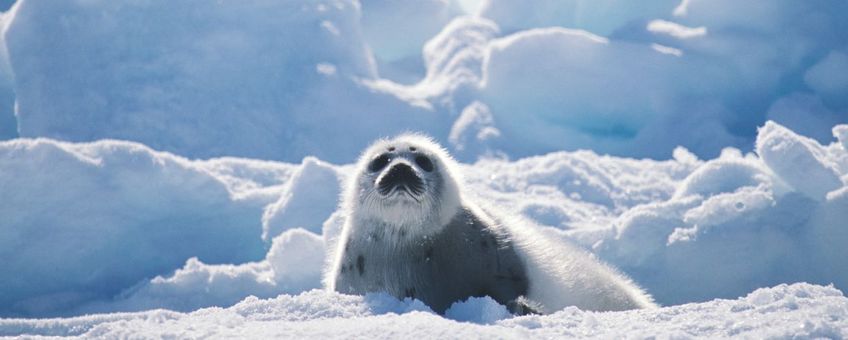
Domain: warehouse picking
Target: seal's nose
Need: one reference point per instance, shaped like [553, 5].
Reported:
[401, 176]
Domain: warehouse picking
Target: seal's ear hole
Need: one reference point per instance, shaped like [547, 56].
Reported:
[425, 163]
[379, 163]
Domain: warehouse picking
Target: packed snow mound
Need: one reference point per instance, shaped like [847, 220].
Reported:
[292, 265]
[116, 226]
[307, 200]
[771, 209]
[243, 78]
[395, 32]
[271, 80]
[785, 311]
[620, 95]
[83, 222]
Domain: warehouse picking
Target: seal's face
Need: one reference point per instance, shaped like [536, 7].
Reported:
[403, 183]
[400, 175]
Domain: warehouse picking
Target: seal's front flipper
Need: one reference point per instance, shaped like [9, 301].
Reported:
[523, 306]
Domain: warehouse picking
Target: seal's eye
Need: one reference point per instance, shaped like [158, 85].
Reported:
[379, 163]
[425, 163]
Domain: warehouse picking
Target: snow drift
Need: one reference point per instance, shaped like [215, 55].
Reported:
[796, 311]
[85, 221]
[116, 226]
[283, 81]
[207, 79]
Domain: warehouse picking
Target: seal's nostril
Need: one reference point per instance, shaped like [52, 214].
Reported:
[401, 175]
[402, 168]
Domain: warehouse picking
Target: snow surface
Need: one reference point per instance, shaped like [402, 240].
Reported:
[189, 156]
[115, 226]
[273, 80]
[785, 311]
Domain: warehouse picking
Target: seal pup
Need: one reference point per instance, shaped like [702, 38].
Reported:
[410, 231]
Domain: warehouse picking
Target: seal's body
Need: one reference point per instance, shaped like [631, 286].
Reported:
[410, 232]
[467, 258]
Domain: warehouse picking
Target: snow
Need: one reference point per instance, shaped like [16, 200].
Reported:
[115, 213]
[600, 17]
[115, 226]
[830, 76]
[309, 197]
[173, 168]
[269, 80]
[791, 311]
[395, 32]
[215, 79]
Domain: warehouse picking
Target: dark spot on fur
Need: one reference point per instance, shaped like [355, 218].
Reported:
[412, 148]
[360, 264]
[484, 244]
[402, 233]
[391, 148]
[343, 270]
[429, 252]
[409, 292]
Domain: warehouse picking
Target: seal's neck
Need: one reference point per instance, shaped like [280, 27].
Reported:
[406, 228]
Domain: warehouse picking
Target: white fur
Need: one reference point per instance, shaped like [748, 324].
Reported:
[562, 275]
[403, 215]
[363, 210]
[559, 274]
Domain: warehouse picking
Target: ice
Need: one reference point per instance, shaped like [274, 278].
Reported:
[395, 32]
[110, 214]
[707, 69]
[87, 220]
[620, 95]
[806, 114]
[272, 80]
[217, 79]
[597, 16]
[830, 77]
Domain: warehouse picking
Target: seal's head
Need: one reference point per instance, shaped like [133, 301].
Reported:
[406, 183]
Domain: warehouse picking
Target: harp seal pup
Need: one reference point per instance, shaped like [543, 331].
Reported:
[411, 231]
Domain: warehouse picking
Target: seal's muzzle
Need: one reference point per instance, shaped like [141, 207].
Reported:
[401, 177]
